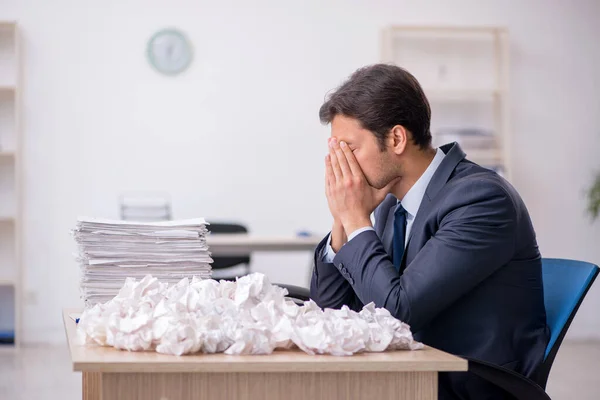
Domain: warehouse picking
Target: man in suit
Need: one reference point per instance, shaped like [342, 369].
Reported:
[452, 252]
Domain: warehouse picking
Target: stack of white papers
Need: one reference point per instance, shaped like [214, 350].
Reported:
[111, 251]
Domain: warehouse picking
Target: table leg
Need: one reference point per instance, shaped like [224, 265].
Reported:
[269, 386]
[92, 385]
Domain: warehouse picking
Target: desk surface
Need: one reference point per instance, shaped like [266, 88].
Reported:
[244, 243]
[108, 359]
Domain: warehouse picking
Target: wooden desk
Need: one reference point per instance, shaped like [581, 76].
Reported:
[113, 374]
[240, 244]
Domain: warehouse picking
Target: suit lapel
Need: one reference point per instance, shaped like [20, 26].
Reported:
[386, 220]
[454, 155]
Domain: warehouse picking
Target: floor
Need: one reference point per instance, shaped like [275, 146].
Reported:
[39, 373]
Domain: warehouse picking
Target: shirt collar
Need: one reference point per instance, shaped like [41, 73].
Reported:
[412, 199]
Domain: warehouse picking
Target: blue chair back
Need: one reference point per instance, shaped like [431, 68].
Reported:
[566, 282]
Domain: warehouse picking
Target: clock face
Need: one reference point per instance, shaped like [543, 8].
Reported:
[169, 52]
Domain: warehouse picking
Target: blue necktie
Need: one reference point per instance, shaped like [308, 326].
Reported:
[399, 235]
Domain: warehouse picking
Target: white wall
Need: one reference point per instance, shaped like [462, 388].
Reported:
[238, 136]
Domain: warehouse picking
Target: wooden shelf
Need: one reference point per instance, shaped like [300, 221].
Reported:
[445, 29]
[484, 157]
[464, 73]
[437, 95]
[10, 176]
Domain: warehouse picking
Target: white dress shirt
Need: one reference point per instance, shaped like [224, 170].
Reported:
[411, 202]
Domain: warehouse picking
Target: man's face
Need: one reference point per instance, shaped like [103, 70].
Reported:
[378, 166]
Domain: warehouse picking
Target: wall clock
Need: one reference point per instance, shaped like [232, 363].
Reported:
[169, 51]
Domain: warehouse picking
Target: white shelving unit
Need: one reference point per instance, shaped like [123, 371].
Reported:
[464, 73]
[10, 186]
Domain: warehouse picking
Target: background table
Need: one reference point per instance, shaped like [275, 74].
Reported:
[290, 375]
[241, 244]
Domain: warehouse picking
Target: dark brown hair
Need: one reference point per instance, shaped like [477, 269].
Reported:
[380, 97]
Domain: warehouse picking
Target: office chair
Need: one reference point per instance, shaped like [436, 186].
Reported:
[566, 282]
[224, 262]
[296, 293]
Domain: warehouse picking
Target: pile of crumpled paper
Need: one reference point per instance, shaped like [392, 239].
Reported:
[249, 316]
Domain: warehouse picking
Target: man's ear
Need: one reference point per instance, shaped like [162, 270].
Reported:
[399, 139]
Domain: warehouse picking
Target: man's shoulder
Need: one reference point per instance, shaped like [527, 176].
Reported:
[472, 183]
[468, 176]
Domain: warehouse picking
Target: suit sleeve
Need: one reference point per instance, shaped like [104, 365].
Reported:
[474, 239]
[328, 288]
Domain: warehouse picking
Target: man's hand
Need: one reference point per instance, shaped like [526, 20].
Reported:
[351, 199]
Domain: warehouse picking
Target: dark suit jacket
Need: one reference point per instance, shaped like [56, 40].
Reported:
[471, 279]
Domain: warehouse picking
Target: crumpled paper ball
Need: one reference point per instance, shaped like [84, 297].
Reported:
[249, 316]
